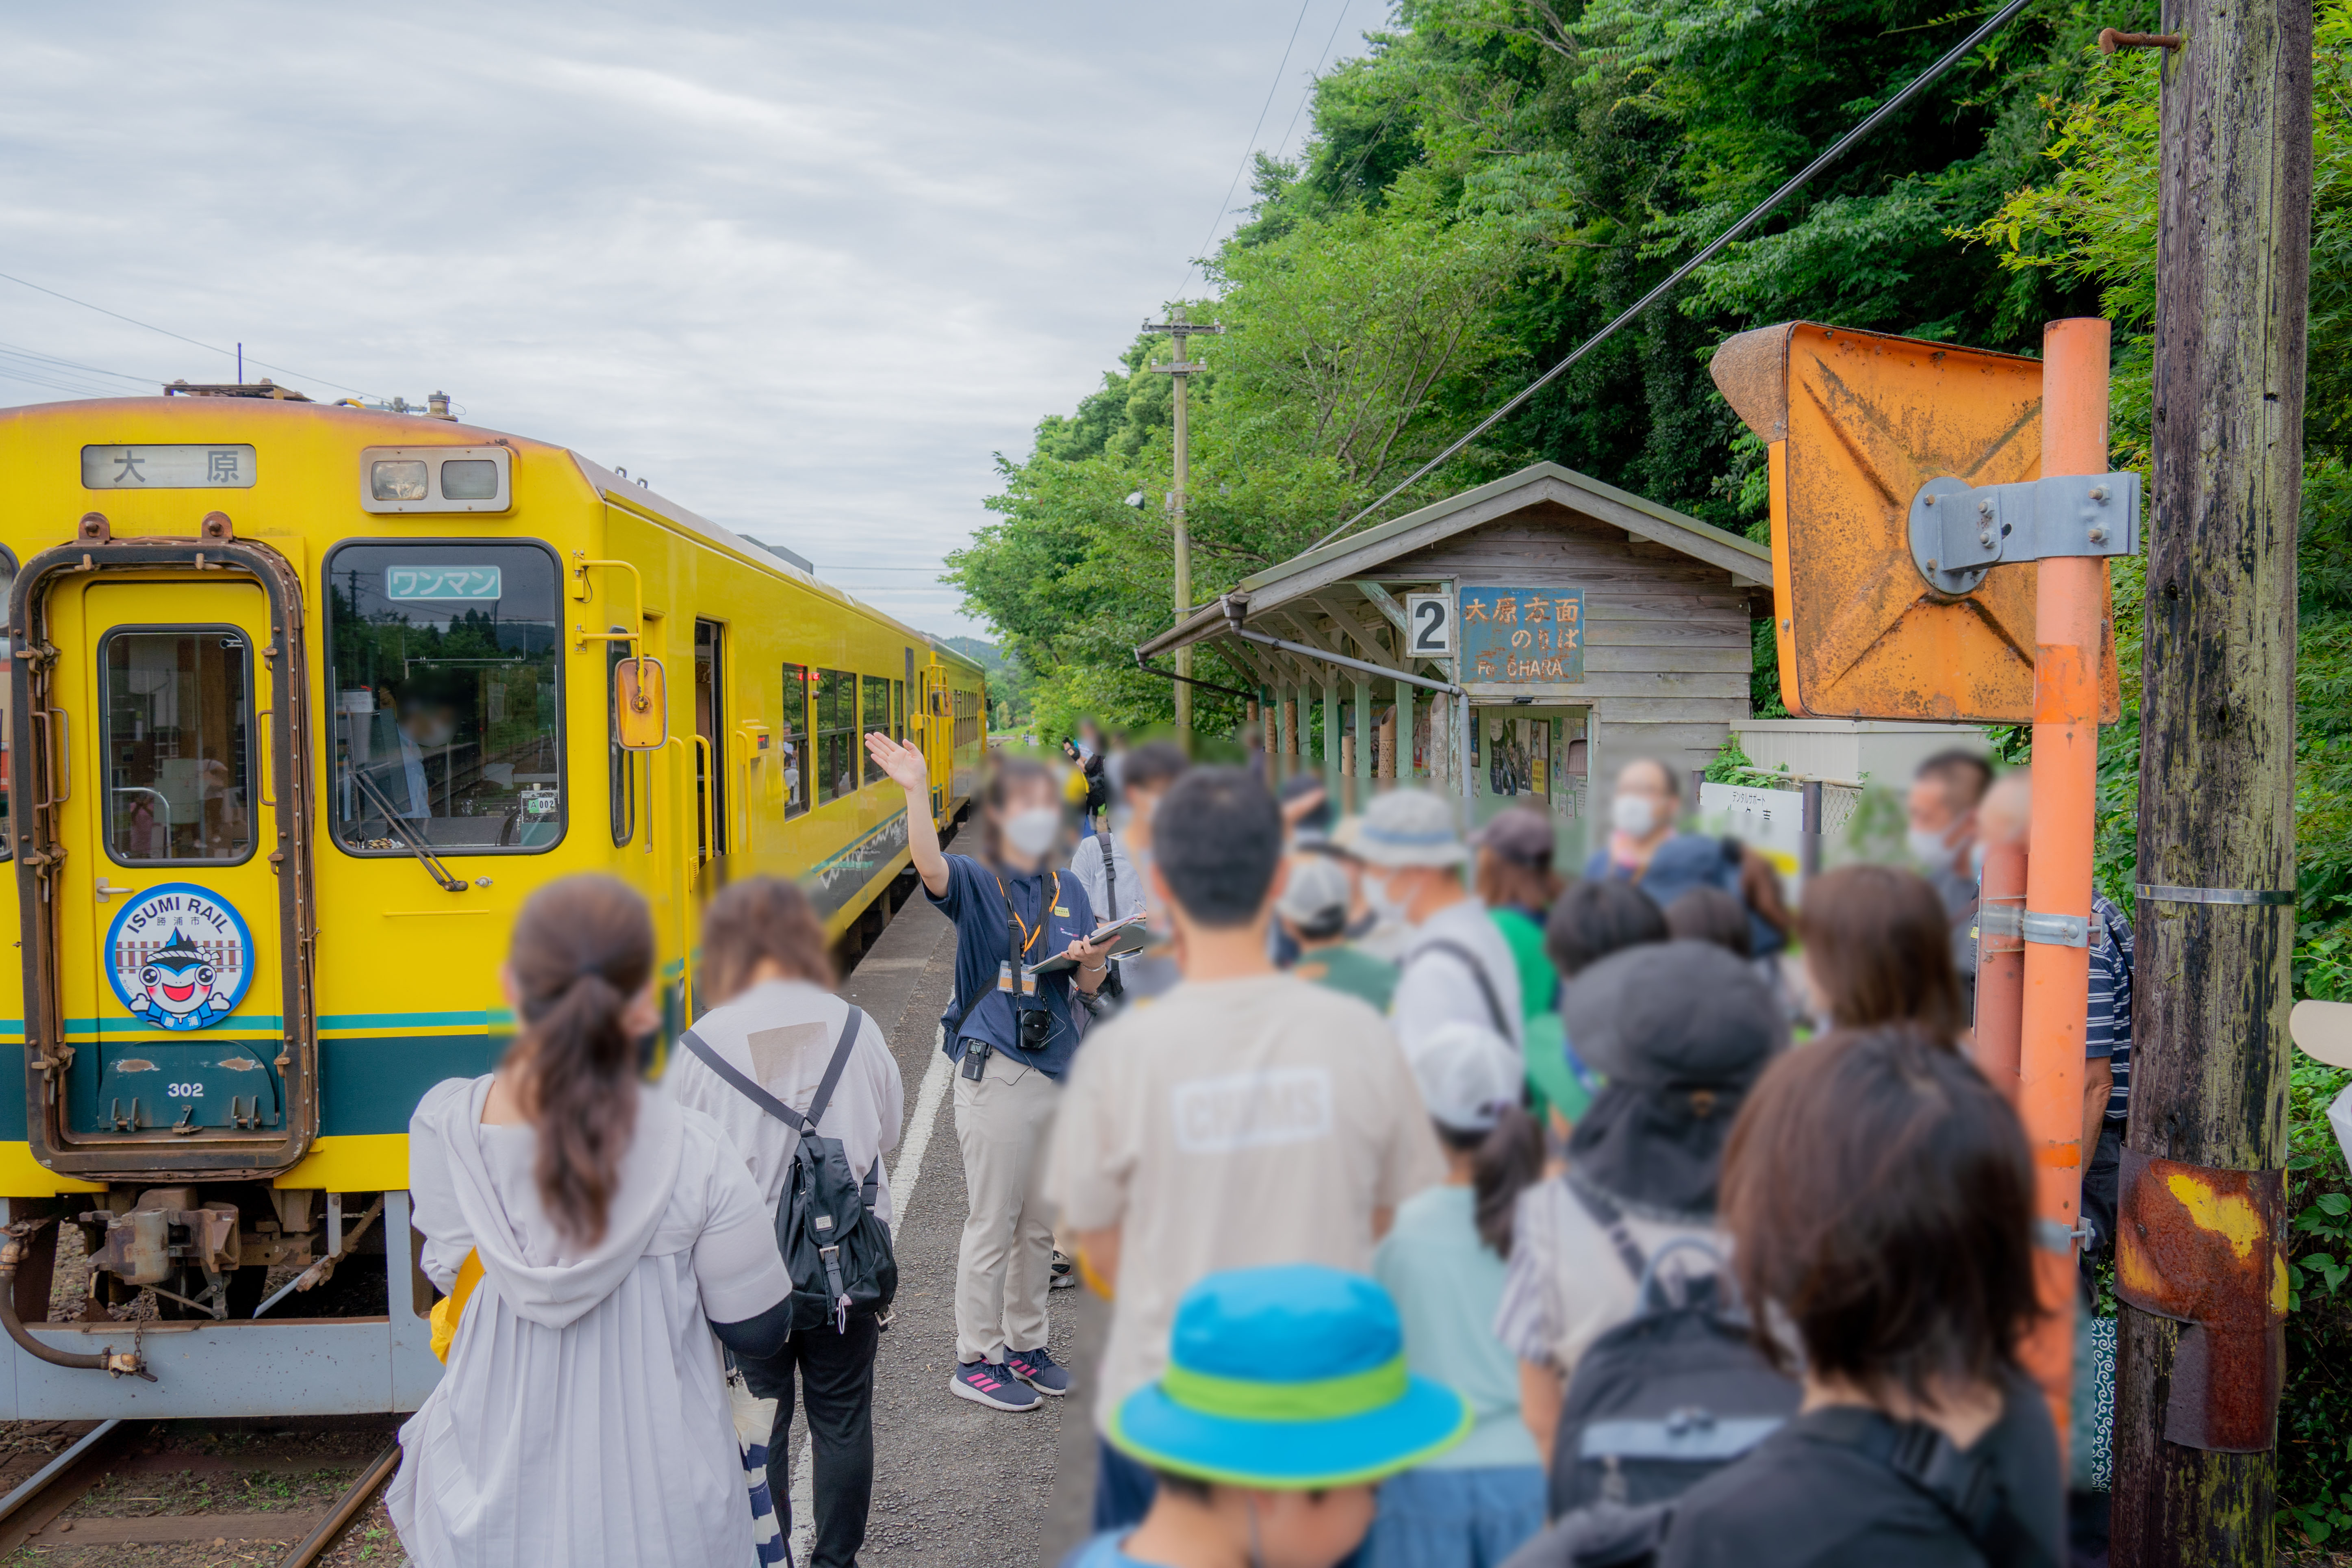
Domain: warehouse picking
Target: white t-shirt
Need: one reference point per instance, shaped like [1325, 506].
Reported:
[781, 1035]
[1232, 1124]
[1435, 988]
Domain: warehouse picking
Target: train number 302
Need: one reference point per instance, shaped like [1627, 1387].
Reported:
[185, 1091]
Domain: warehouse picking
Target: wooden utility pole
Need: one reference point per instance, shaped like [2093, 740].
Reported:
[1182, 370]
[2195, 1420]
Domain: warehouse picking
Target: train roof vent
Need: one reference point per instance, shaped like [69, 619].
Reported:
[794, 556]
[265, 387]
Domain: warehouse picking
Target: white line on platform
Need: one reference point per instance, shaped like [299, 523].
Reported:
[902, 1193]
[918, 1137]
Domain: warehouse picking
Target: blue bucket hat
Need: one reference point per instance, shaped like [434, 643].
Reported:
[1288, 1378]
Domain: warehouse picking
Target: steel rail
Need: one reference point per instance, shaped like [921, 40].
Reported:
[361, 1492]
[41, 1478]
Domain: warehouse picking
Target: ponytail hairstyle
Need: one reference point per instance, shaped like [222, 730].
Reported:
[1504, 1161]
[762, 918]
[583, 947]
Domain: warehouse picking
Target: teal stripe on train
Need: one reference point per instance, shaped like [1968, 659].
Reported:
[370, 1083]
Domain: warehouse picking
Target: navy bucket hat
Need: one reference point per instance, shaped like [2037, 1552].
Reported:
[1288, 1378]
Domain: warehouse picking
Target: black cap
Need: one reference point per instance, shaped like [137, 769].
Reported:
[1674, 1012]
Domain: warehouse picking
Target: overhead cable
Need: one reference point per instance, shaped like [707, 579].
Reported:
[1226, 205]
[150, 326]
[1755, 215]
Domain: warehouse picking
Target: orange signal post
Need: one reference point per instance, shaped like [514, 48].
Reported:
[2070, 615]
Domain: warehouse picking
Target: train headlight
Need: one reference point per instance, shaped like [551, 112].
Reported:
[469, 478]
[398, 479]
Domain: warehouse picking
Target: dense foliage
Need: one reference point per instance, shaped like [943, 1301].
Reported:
[1487, 185]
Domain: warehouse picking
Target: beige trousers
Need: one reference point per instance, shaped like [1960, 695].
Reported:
[1006, 1264]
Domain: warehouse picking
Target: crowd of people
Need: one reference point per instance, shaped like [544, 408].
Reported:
[1448, 1211]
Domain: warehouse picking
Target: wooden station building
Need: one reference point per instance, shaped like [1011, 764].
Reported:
[1529, 636]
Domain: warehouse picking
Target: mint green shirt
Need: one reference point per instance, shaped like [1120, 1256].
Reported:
[1447, 1285]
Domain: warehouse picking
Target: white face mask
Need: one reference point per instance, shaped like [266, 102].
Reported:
[1030, 832]
[1634, 816]
[1930, 849]
[1384, 905]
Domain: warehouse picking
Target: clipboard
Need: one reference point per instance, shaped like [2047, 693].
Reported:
[1130, 937]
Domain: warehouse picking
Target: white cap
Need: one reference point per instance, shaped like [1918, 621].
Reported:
[1405, 827]
[1468, 1074]
[1317, 887]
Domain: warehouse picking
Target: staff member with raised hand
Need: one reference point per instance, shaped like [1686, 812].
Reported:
[1012, 1038]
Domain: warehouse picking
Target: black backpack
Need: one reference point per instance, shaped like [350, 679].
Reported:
[838, 1254]
[1667, 1397]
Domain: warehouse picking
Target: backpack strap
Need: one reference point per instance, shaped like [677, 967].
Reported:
[1961, 1482]
[803, 1123]
[1110, 875]
[833, 1068]
[1478, 973]
[1610, 1218]
[743, 1085]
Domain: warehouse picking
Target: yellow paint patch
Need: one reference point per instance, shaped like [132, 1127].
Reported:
[22, 1176]
[2279, 1290]
[357, 1162]
[2135, 1273]
[2227, 1215]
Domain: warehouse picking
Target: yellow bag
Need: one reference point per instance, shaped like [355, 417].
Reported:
[452, 1306]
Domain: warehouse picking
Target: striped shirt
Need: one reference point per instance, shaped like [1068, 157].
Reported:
[2107, 1032]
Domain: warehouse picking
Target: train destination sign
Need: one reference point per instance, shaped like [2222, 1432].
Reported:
[1522, 636]
[443, 584]
[223, 467]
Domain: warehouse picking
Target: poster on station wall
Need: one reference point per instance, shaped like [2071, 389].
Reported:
[1522, 636]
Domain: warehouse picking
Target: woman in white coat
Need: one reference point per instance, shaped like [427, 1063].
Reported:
[583, 1417]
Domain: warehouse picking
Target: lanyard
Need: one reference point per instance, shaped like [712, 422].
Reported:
[1022, 941]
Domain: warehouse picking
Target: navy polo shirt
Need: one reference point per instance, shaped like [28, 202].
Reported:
[984, 936]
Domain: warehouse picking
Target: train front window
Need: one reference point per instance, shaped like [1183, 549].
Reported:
[179, 720]
[447, 730]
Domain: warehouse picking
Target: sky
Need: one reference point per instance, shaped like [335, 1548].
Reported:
[805, 269]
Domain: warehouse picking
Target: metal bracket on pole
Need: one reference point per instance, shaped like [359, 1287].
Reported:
[2058, 930]
[1959, 531]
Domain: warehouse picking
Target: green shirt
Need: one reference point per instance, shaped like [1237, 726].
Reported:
[1539, 981]
[1349, 968]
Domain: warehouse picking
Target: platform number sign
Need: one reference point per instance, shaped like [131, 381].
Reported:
[1429, 625]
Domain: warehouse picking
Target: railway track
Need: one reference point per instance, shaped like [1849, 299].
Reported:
[288, 1492]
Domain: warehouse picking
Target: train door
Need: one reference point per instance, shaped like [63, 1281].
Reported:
[939, 737]
[168, 936]
[709, 742]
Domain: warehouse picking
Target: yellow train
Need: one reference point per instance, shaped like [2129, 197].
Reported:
[304, 701]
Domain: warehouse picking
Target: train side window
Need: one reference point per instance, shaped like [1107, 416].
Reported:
[624, 776]
[837, 731]
[877, 716]
[445, 662]
[793, 749]
[899, 711]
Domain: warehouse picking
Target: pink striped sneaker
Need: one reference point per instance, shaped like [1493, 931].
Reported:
[991, 1383]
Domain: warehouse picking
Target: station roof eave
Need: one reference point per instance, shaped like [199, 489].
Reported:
[1362, 556]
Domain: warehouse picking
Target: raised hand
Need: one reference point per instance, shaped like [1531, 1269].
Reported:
[905, 765]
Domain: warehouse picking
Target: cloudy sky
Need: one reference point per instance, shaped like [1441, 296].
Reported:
[804, 266]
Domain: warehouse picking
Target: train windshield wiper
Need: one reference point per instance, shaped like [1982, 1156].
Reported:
[408, 840]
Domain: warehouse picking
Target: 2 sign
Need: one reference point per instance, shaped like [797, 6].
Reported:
[1429, 625]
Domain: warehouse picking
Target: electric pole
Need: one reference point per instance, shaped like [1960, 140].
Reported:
[1182, 372]
[2201, 1253]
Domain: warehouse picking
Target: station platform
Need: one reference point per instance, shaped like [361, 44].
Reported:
[953, 1483]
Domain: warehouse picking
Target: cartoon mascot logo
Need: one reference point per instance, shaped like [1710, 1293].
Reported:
[180, 958]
